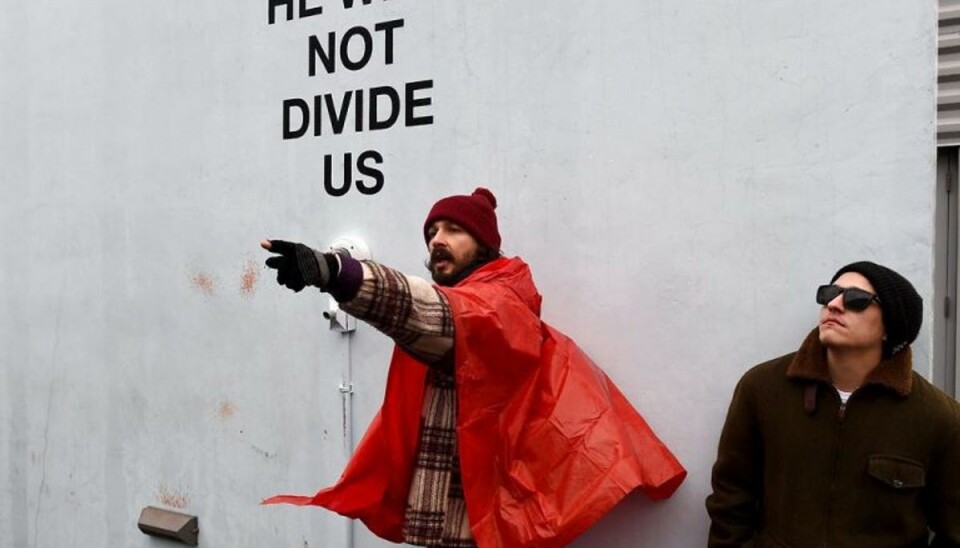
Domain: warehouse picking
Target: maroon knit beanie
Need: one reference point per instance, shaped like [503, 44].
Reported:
[473, 213]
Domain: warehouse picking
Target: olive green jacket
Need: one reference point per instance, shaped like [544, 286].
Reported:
[796, 468]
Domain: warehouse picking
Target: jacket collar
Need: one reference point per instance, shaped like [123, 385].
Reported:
[810, 363]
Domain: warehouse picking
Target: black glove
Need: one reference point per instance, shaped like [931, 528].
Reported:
[299, 266]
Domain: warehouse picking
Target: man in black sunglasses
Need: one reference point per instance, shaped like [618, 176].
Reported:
[841, 443]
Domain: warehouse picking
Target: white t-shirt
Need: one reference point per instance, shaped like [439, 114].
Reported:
[844, 396]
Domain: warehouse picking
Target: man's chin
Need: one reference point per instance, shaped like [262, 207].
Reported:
[443, 278]
[827, 338]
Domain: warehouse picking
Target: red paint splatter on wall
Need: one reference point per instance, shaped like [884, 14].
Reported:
[249, 279]
[226, 409]
[175, 498]
[204, 283]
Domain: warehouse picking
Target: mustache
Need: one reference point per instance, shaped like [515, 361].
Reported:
[440, 254]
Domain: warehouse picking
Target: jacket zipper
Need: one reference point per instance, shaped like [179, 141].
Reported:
[841, 415]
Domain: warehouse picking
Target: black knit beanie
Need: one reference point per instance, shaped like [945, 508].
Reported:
[901, 304]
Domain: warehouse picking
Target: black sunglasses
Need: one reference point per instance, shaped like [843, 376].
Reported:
[854, 298]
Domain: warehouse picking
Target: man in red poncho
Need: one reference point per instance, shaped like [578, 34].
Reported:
[496, 430]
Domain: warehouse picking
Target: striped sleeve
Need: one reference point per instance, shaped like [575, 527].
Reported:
[407, 309]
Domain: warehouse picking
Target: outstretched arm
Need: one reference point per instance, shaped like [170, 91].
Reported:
[407, 309]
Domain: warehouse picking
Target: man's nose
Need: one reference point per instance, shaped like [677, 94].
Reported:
[437, 241]
[836, 304]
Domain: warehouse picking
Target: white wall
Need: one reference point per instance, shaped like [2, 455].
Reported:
[680, 175]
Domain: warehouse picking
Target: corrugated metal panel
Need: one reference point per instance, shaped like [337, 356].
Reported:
[948, 74]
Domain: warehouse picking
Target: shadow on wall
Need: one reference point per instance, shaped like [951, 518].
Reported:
[653, 522]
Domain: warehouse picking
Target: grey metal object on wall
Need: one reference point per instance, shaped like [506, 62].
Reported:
[172, 525]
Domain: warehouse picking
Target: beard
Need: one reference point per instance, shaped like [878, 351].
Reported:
[461, 268]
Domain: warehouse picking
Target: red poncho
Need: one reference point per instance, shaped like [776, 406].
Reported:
[548, 444]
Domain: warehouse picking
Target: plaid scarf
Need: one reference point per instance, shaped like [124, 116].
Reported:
[436, 510]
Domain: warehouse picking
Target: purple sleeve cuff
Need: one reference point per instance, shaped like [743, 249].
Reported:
[347, 284]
